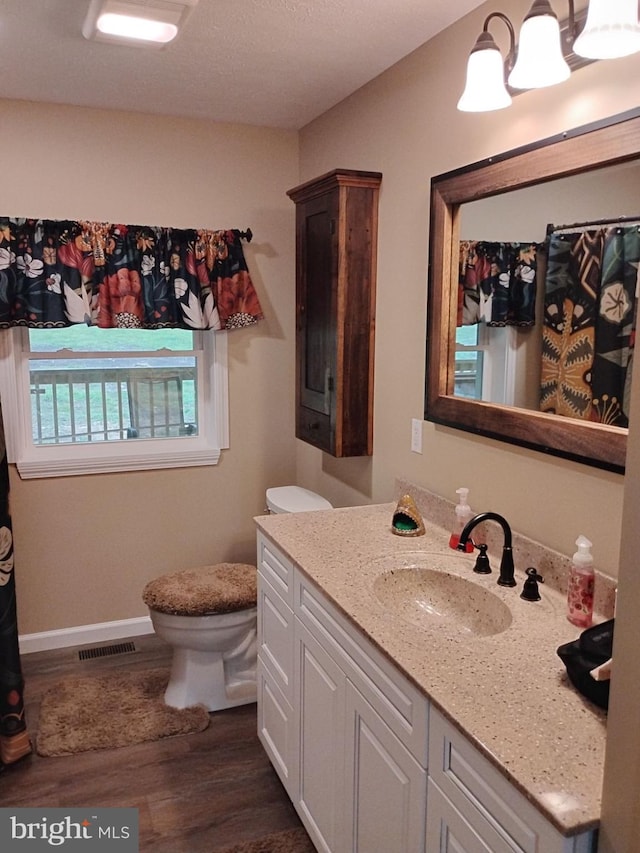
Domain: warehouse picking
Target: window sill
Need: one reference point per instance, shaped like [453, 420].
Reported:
[58, 462]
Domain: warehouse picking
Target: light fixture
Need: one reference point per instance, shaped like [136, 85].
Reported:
[611, 30]
[485, 88]
[153, 23]
[548, 50]
[539, 61]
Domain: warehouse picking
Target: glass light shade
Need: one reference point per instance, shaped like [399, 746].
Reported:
[540, 61]
[484, 90]
[130, 26]
[611, 30]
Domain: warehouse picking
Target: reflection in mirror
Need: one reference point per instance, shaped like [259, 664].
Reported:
[486, 377]
[503, 364]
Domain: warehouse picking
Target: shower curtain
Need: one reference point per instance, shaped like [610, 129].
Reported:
[14, 739]
[590, 307]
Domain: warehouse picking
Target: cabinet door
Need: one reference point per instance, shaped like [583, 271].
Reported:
[275, 636]
[316, 317]
[321, 718]
[276, 729]
[385, 786]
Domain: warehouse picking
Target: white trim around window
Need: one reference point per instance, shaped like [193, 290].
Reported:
[105, 457]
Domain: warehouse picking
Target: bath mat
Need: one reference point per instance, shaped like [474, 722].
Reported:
[109, 711]
[288, 841]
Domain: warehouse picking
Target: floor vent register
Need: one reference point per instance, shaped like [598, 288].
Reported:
[104, 651]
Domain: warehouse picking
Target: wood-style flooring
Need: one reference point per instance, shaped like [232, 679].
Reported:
[195, 793]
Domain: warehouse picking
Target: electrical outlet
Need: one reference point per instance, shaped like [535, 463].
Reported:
[416, 435]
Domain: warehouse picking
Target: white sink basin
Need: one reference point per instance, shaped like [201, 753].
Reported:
[431, 597]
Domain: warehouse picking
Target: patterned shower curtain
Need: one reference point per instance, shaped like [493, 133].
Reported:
[591, 295]
[14, 739]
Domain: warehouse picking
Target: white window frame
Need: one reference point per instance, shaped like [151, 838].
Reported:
[499, 363]
[65, 460]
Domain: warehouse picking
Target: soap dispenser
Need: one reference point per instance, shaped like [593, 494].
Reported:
[581, 584]
[464, 513]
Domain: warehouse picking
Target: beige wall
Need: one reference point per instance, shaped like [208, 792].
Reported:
[620, 830]
[86, 545]
[406, 125]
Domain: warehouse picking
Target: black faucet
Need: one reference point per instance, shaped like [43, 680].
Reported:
[506, 564]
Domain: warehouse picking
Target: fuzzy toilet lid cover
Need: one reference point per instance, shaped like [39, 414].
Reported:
[221, 588]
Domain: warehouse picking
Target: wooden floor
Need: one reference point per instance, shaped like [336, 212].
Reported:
[196, 793]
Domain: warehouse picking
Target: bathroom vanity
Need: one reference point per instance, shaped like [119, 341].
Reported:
[393, 730]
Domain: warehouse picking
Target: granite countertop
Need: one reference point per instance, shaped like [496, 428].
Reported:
[507, 692]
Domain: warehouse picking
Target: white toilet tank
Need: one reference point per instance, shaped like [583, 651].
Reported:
[294, 499]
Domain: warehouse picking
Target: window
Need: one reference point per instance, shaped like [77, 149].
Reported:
[485, 363]
[469, 362]
[83, 399]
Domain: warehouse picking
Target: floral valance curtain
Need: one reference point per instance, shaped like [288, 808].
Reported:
[497, 283]
[56, 273]
[590, 307]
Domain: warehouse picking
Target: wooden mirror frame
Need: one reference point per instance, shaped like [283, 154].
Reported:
[605, 143]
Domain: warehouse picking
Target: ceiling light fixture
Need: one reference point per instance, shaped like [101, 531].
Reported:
[153, 23]
[548, 50]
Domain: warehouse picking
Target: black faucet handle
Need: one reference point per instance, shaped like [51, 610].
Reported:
[482, 566]
[530, 591]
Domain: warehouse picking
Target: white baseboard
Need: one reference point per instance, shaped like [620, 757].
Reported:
[85, 635]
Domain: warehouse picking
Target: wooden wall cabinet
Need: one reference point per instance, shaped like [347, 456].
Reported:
[336, 246]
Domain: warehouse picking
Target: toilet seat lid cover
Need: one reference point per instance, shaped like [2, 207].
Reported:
[204, 591]
[294, 499]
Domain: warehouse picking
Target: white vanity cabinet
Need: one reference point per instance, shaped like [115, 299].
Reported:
[345, 731]
[350, 735]
[362, 737]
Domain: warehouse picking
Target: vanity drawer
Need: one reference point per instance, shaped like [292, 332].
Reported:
[276, 568]
[449, 832]
[394, 697]
[474, 787]
[487, 800]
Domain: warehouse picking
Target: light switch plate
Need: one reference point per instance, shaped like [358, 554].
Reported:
[416, 435]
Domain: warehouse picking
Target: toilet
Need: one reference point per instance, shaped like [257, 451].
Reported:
[208, 615]
[294, 499]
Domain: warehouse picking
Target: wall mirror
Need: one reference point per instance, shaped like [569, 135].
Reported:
[565, 179]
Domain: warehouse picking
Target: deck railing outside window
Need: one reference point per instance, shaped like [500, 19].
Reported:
[84, 404]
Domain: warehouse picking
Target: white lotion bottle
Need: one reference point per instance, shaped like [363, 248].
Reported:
[464, 513]
[581, 585]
